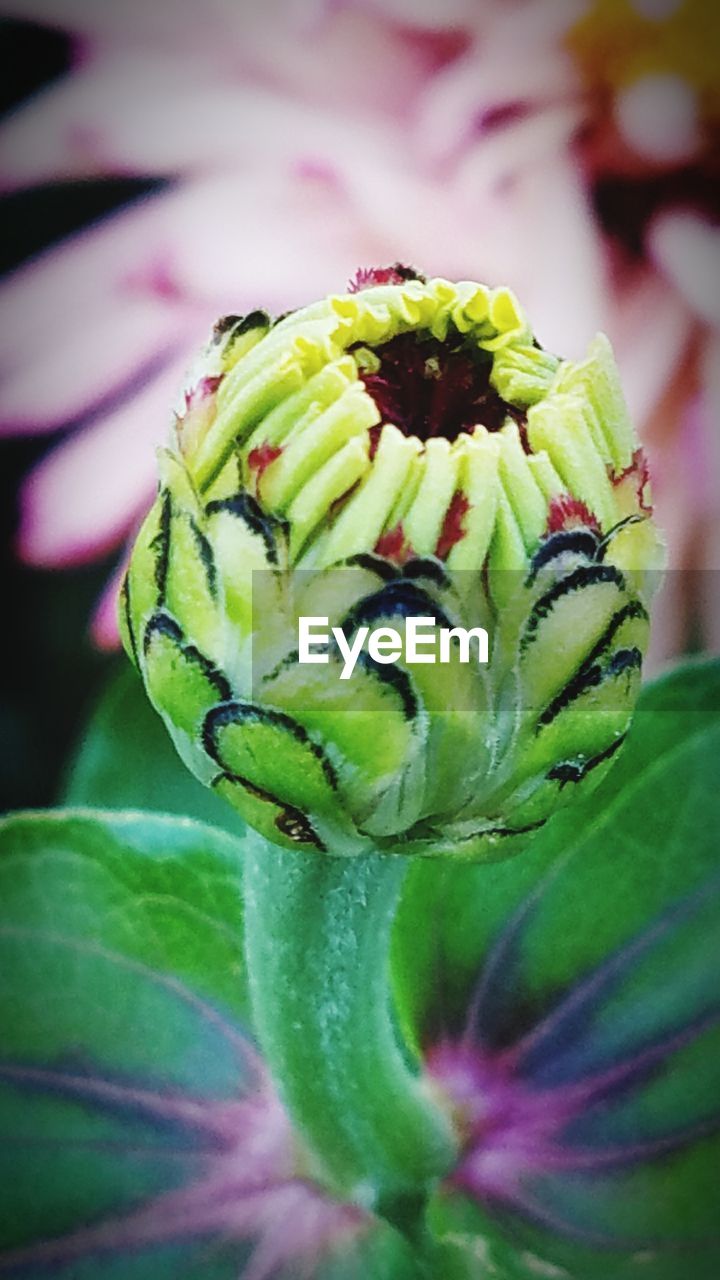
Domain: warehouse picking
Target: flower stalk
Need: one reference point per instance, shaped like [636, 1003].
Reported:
[317, 938]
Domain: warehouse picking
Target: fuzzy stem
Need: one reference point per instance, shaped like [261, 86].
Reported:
[318, 935]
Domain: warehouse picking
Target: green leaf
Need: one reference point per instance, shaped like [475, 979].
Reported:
[380, 1254]
[607, 864]
[140, 1136]
[595, 951]
[121, 958]
[477, 1245]
[126, 760]
[161, 890]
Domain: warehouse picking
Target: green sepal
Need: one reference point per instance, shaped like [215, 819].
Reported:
[282, 824]
[181, 681]
[274, 753]
[246, 541]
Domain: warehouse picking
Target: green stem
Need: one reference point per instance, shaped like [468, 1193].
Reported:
[318, 935]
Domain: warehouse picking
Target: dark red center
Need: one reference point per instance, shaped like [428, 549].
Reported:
[428, 388]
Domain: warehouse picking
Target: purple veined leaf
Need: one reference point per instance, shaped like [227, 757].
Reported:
[140, 1135]
[620, 1074]
[574, 1020]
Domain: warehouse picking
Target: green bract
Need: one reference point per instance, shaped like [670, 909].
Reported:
[403, 450]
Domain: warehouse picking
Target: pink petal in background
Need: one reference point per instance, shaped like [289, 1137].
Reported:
[76, 280]
[686, 248]
[104, 622]
[86, 364]
[84, 495]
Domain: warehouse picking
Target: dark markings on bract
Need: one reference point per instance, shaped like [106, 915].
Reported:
[511, 831]
[583, 678]
[374, 564]
[426, 567]
[624, 660]
[208, 668]
[590, 674]
[290, 660]
[396, 678]
[291, 822]
[125, 606]
[245, 508]
[257, 319]
[577, 541]
[297, 827]
[222, 325]
[161, 547]
[248, 713]
[228, 328]
[633, 609]
[618, 528]
[588, 677]
[580, 578]
[205, 552]
[574, 771]
[399, 598]
[162, 624]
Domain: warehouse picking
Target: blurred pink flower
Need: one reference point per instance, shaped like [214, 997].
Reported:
[563, 147]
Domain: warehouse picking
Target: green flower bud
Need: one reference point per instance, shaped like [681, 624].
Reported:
[404, 450]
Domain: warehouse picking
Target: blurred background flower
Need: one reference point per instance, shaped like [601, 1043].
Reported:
[567, 147]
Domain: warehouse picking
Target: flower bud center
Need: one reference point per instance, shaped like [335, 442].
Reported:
[429, 388]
